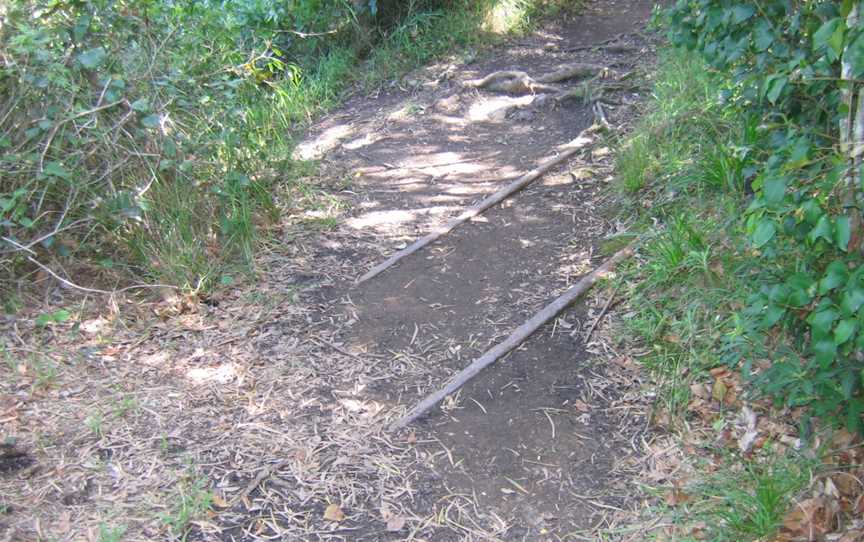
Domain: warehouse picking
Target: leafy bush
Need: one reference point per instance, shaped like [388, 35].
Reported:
[794, 67]
[126, 123]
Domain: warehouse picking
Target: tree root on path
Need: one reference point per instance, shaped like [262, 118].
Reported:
[519, 82]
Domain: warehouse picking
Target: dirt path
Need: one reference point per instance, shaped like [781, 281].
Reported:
[275, 396]
[536, 442]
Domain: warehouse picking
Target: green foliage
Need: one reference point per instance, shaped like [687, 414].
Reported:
[782, 65]
[681, 298]
[750, 504]
[190, 502]
[151, 138]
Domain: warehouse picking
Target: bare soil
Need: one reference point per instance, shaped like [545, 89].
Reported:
[274, 396]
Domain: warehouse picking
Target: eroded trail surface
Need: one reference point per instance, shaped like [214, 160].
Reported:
[277, 396]
[540, 445]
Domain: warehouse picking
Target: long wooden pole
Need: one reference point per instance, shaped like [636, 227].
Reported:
[515, 339]
[567, 151]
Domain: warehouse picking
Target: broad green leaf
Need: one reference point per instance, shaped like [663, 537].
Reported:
[802, 288]
[55, 317]
[842, 232]
[151, 121]
[55, 169]
[812, 211]
[822, 36]
[772, 315]
[844, 330]
[764, 232]
[825, 351]
[835, 275]
[821, 323]
[742, 12]
[822, 230]
[92, 58]
[763, 36]
[774, 189]
[775, 88]
[141, 105]
[853, 299]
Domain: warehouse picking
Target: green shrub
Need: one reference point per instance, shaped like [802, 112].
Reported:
[791, 72]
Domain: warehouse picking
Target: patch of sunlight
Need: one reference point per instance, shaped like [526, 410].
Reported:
[495, 109]
[324, 143]
[506, 16]
[364, 141]
[221, 374]
[456, 122]
[397, 217]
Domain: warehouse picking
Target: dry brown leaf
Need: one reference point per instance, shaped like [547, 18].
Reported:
[581, 405]
[676, 496]
[856, 535]
[219, 501]
[395, 523]
[811, 519]
[334, 513]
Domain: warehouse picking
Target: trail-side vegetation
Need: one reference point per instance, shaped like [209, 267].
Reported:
[745, 178]
[146, 142]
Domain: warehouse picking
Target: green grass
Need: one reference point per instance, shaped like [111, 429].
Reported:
[674, 171]
[191, 502]
[681, 174]
[111, 533]
[176, 190]
[741, 502]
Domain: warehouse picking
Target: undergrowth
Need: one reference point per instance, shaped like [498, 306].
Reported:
[153, 141]
[684, 174]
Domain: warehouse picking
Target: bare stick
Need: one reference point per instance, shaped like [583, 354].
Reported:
[602, 313]
[74, 286]
[515, 339]
[568, 150]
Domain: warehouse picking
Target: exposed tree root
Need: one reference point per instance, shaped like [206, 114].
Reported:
[511, 82]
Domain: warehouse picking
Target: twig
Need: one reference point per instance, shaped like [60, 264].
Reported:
[514, 340]
[71, 284]
[265, 473]
[602, 313]
[69, 119]
[339, 349]
[38, 240]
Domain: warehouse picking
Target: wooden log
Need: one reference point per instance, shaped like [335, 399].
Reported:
[515, 339]
[568, 150]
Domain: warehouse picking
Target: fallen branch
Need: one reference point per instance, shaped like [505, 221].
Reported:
[602, 313]
[265, 473]
[568, 150]
[515, 339]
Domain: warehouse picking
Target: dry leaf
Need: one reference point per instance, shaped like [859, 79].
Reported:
[219, 501]
[396, 523]
[675, 497]
[718, 391]
[334, 513]
[581, 405]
